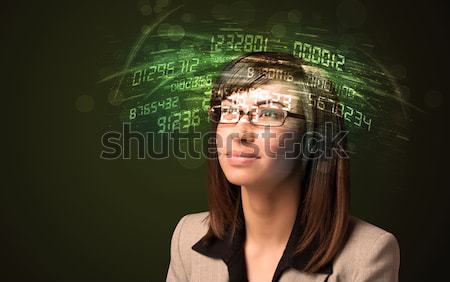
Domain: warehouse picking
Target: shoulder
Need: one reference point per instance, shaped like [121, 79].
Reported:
[370, 253]
[189, 229]
[192, 227]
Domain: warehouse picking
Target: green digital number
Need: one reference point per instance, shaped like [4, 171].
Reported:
[340, 62]
[137, 81]
[161, 70]
[168, 103]
[325, 60]
[175, 102]
[192, 67]
[358, 117]
[195, 117]
[348, 114]
[248, 43]
[187, 119]
[259, 38]
[220, 43]
[170, 68]
[176, 121]
[162, 124]
[132, 113]
[316, 54]
[152, 71]
[229, 44]
[298, 45]
[238, 45]
[368, 123]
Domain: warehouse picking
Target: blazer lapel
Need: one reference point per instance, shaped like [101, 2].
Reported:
[294, 275]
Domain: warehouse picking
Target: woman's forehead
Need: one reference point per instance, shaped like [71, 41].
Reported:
[267, 91]
[277, 92]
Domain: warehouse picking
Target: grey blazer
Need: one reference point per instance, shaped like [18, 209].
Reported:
[370, 254]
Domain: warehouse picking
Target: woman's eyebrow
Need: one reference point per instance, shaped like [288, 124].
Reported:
[260, 102]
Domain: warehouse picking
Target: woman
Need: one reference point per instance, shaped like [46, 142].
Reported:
[278, 186]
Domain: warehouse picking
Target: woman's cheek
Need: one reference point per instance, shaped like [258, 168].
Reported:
[221, 137]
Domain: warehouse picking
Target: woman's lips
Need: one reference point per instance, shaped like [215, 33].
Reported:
[241, 158]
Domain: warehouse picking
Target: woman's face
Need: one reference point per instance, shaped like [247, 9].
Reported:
[254, 155]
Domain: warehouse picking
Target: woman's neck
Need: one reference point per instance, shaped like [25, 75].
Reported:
[270, 212]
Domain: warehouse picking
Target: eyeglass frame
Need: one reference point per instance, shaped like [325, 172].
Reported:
[286, 114]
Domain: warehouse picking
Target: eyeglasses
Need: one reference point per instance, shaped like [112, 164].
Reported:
[259, 115]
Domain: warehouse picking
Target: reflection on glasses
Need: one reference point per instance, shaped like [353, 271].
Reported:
[262, 115]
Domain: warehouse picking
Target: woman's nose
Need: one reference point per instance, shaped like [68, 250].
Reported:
[244, 116]
[244, 128]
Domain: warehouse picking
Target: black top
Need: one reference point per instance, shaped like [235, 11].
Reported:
[232, 252]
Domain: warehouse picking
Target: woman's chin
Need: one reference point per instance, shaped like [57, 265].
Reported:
[243, 178]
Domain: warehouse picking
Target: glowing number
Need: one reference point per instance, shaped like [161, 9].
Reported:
[316, 51]
[132, 113]
[368, 122]
[146, 109]
[250, 72]
[134, 78]
[287, 101]
[230, 42]
[195, 82]
[340, 63]
[175, 102]
[187, 119]
[307, 46]
[176, 121]
[300, 45]
[320, 103]
[238, 45]
[161, 70]
[195, 117]
[260, 47]
[219, 44]
[194, 65]
[153, 70]
[168, 103]
[348, 114]
[153, 107]
[290, 77]
[184, 64]
[170, 68]
[162, 124]
[248, 43]
[325, 58]
[358, 117]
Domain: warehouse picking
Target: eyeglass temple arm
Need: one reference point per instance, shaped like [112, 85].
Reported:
[291, 114]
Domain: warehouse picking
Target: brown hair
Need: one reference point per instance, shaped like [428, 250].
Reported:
[324, 195]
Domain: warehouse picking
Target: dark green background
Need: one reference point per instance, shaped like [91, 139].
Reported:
[68, 215]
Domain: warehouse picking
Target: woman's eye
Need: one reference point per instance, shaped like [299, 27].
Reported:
[269, 113]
